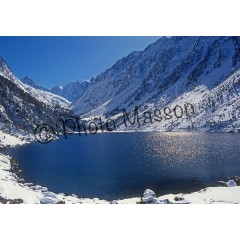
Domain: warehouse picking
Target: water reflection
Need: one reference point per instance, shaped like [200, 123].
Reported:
[122, 165]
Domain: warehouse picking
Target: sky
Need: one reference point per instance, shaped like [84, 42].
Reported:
[51, 61]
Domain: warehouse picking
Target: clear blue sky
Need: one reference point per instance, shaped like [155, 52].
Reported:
[50, 61]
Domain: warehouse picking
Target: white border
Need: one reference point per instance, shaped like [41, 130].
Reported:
[115, 17]
[119, 222]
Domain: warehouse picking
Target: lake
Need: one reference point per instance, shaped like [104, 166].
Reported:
[122, 165]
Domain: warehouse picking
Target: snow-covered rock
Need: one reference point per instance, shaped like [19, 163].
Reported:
[231, 183]
[48, 200]
[149, 197]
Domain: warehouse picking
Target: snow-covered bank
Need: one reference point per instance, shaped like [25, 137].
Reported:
[7, 140]
[12, 190]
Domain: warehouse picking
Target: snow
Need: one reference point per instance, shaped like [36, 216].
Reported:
[41, 95]
[171, 72]
[72, 91]
[10, 140]
[47, 97]
[210, 195]
[204, 196]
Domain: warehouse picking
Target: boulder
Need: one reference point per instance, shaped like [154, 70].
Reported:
[231, 183]
[49, 200]
[149, 196]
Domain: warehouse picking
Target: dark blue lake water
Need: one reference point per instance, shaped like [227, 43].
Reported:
[119, 165]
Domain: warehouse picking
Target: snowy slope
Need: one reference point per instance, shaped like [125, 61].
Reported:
[169, 72]
[23, 107]
[72, 91]
[27, 80]
[6, 72]
[41, 95]
[47, 97]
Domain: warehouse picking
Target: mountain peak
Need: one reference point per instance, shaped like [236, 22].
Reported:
[72, 91]
[164, 71]
[27, 80]
[6, 71]
[3, 63]
[2, 59]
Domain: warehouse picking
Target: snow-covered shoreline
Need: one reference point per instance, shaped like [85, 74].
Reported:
[15, 190]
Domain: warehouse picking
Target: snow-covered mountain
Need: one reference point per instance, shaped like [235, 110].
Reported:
[41, 95]
[27, 80]
[23, 107]
[172, 71]
[72, 91]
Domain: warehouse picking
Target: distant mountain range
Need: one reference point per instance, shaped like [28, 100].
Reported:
[71, 91]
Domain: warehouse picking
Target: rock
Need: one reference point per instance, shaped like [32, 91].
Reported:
[44, 189]
[148, 199]
[50, 194]
[236, 179]
[49, 200]
[231, 183]
[37, 187]
[61, 194]
[11, 201]
[149, 196]
[164, 201]
[149, 192]
[178, 198]
[15, 201]
[3, 199]
[28, 184]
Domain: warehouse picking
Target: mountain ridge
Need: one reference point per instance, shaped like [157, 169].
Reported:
[23, 107]
[169, 69]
